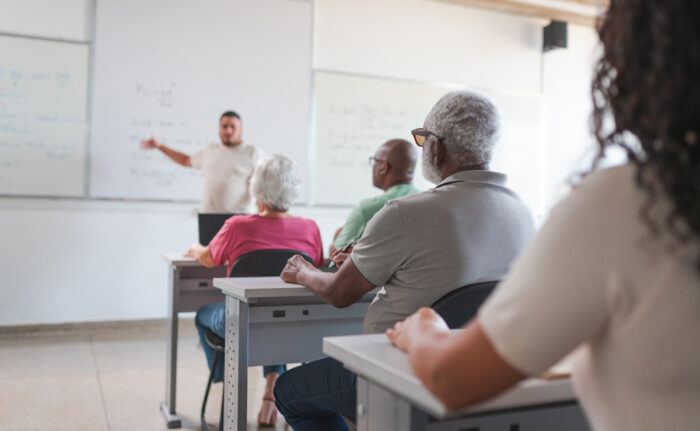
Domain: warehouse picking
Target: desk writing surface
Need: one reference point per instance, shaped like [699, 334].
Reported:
[259, 287]
[373, 357]
[180, 260]
[266, 287]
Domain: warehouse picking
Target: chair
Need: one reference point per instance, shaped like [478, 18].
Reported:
[459, 306]
[260, 263]
[264, 263]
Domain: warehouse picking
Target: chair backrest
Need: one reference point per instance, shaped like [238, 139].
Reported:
[459, 306]
[263, 263]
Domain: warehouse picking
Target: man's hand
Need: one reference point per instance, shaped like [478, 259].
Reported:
[340, 256]
[332, 249]
[424, 322]
[150, 144]
[294, 265]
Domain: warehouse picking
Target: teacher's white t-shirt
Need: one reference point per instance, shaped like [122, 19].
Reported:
[594, 277]
[227, 172]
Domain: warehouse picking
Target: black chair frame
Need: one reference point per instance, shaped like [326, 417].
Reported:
[461, 305]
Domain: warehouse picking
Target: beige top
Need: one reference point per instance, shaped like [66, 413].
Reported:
[227, 172]
[592, 277]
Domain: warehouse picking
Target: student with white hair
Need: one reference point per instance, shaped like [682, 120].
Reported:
[273, 186]
[467, 229]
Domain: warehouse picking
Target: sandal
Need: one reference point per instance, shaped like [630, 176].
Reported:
[268, 413]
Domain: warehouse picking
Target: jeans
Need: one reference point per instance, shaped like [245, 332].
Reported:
[213, 316]
[316, 395]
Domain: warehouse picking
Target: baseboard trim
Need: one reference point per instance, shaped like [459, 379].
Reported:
[91, 328]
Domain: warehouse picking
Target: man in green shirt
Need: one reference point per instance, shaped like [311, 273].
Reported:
[392, 171]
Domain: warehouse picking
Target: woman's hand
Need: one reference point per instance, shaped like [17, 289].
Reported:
[201, 253]
[294, 265]
[195, 250]
[424, 322]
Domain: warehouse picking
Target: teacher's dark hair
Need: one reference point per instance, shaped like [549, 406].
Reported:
[229, 114]
[648, 82]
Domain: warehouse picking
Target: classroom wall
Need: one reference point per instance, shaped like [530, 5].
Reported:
[74, 261]
[566, 89]
[89, 260]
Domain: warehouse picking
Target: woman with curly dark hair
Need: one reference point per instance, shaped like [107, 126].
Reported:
[614, 274]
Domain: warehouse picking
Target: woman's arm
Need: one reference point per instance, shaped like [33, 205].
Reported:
[202, 254]
[460, 368]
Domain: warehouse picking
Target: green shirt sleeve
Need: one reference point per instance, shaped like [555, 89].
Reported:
[352, 229]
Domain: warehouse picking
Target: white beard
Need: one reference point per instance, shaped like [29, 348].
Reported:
[430, 172]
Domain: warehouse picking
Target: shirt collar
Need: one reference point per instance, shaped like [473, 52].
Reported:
[481, 176]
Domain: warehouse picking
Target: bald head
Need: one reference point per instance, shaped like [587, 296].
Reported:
[398, 161]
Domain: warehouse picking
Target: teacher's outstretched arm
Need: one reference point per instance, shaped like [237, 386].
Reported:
[174, 155]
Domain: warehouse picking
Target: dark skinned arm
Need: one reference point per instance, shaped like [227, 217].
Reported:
[340, 289]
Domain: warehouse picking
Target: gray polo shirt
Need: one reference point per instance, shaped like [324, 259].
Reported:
[467, 229]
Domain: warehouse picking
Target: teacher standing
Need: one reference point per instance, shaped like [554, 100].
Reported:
[227, 167]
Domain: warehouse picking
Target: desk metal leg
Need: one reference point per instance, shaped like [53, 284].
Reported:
[380, 410]
[168, 406]
[236, 376]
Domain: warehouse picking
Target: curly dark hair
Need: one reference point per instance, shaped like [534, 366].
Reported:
[648, 82]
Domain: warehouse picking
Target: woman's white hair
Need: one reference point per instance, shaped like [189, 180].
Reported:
[470, 122]
[275, 182]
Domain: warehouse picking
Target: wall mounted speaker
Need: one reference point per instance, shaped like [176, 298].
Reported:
[554, 36]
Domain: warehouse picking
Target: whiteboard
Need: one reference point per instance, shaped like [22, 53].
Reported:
[51, 19]
[43, 108]
[355, 114]
[169, 68]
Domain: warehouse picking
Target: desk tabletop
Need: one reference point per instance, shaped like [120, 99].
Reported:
[247, 288]
[178, 259]
[374, 358]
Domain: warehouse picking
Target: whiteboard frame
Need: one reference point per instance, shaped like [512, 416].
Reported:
[88, 94]
[449, 86]
[310, 155]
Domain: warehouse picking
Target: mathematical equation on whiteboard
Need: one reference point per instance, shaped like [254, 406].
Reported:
[350, 134]
[157, 115]
[42, 124]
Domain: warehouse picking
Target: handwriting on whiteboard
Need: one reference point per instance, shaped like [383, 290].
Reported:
[157, 116]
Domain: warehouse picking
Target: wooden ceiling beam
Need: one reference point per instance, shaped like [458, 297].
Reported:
[598, 3]
[520, 8]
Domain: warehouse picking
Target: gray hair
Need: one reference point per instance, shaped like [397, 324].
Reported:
[275, 181]
[470, 122]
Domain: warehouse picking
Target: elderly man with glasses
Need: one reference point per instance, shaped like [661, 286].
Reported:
[467, 229]
[392, 171]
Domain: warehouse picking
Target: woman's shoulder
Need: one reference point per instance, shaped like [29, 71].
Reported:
[303, 221]
[242, 219]
[610, 186]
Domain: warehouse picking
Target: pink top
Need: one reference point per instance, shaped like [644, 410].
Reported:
[242, 234]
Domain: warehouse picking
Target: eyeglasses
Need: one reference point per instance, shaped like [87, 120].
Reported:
[420, 135]
[372, 160]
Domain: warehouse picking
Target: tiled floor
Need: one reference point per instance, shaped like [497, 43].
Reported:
[109, 380]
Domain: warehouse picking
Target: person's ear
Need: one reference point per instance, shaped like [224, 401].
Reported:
[384, 169]
[439, 152]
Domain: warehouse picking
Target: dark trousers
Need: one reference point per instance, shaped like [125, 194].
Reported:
[316, 395]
